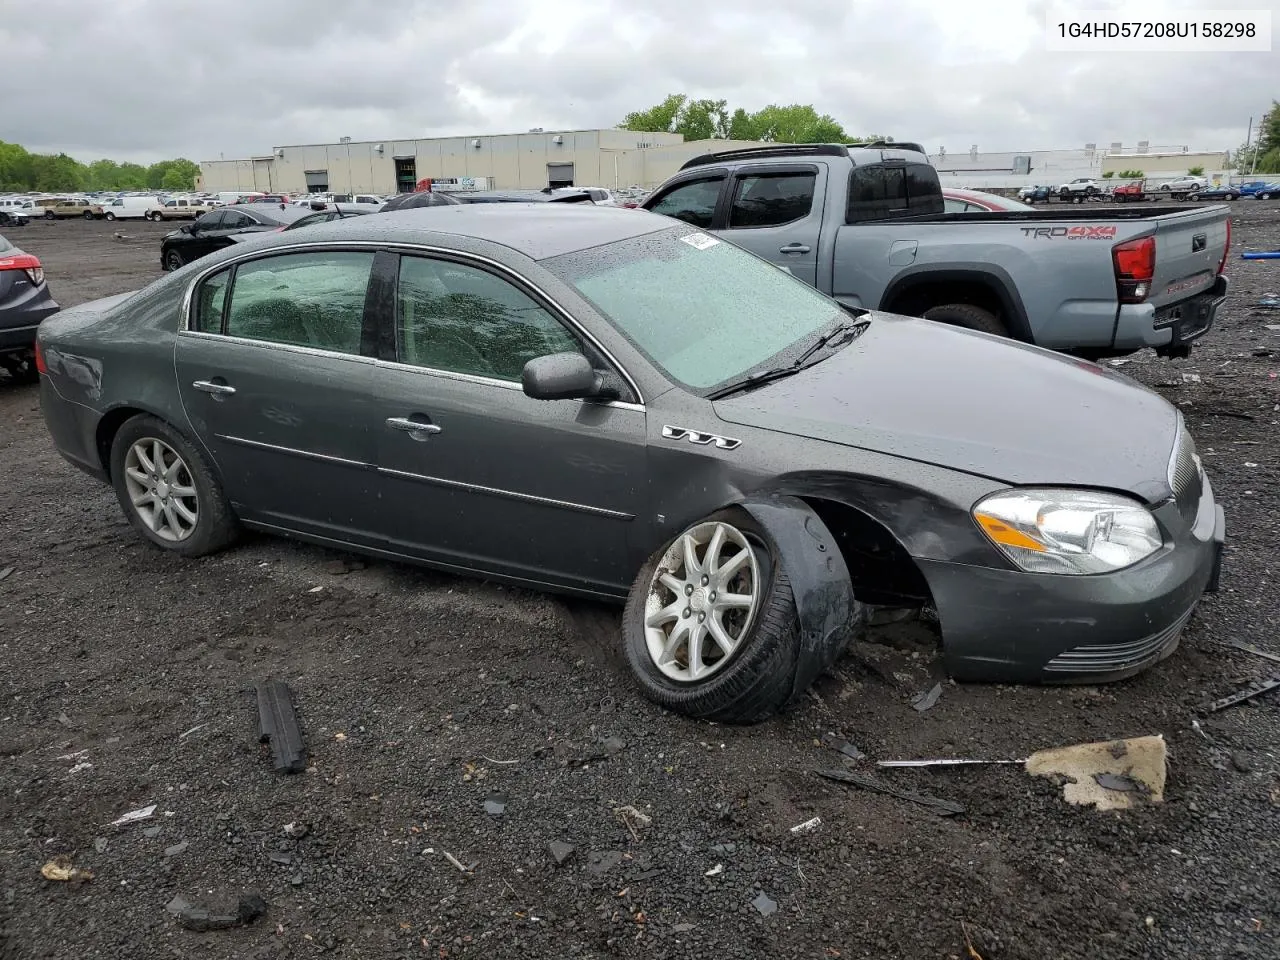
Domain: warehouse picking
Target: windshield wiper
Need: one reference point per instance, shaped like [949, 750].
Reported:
[839, 336]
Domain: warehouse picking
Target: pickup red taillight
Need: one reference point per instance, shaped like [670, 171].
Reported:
[1222, 264]
[27, 264]
[1135, 267]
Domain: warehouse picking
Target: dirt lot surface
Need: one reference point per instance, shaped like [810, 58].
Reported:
[127, 681]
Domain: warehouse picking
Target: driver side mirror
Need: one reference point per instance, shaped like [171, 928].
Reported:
[565, 376]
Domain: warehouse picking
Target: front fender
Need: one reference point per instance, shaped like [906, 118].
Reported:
[828, 611]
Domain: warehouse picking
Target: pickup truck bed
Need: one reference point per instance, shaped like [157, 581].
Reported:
[1095, 283]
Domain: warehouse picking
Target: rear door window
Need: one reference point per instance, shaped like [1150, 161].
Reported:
[880, 191]
[770, 200]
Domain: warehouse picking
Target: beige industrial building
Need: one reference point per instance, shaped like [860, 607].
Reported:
[598, 158]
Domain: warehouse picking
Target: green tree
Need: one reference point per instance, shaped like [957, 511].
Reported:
[17, 170]
[711, 119]
[59, 172]
[133, 176]
[1196, 171]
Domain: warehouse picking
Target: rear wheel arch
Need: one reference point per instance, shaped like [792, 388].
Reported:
[914, 293]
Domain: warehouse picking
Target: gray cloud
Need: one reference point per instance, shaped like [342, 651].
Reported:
[143, 79]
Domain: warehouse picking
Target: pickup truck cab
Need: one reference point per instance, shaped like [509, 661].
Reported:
[866, 225]
[59, 207]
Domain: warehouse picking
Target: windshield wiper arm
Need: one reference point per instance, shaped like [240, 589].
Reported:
[841, 335]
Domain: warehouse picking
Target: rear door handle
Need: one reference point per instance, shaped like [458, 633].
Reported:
[217, 389]
[794, 248]
[415, 428]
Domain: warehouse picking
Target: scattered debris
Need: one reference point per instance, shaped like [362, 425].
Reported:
[457, 863]
[1195, 725]
[218, 914]
[944, 762]
[1120, 361]
[1270, 301]
[297, 830]
[278, 724]
[1244, 693]
[925, 701]
[61, 870]
[765, 905]
[337, 567]
[176, 849]
[968, 943]
[633, 819]
[1250, 648]
[282, 859]
[82, 765]
[807, 826]
[495, 805]
[840, 745]
[1099, 774]
[561, 851]
[613, 745]
[101, 844]
[602, 863]
[195, 729]
[6, 572]
[151, 832]
[715, 871]
[1191, 378]
[500, 762]
[133, 816]
[945, 808]
[682, 928]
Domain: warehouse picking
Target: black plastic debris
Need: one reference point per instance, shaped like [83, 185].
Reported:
[283, 859]
[1240, 696]
[925, 701]
[561, 851]
[944, 808]
[218, 914]
[278, 725]
[602, 863]
[765, 904]
[1117, 781]
[840, 745]
[495, 805]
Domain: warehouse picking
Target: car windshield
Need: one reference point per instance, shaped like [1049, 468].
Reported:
[703, 310]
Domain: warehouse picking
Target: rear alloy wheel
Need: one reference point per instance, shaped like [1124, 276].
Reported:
[967, 316]
[110, 216]
[710, 627]
[173, 260]
[168, 491]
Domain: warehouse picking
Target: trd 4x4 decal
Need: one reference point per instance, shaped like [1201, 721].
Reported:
[1071, 233]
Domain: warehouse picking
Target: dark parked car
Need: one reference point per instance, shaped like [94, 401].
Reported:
[24, 302]
[607, 403]
[1223, 191]
[324, 216]
[218, 228]
[13, 218]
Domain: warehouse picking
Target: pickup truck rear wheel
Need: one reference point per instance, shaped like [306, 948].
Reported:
[967, 316]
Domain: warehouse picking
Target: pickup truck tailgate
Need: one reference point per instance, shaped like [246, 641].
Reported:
[1189, 246]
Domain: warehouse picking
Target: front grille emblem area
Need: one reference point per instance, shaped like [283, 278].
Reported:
[700, 438]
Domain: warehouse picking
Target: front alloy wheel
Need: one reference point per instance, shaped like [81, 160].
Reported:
[703, 598]
[161, 489]
[173, 260]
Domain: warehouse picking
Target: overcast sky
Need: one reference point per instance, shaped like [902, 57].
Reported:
[148, 79]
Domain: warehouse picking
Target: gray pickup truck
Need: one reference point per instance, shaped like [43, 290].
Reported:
[866, 225]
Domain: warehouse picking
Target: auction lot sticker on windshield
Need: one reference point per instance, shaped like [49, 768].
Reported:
[700, 240]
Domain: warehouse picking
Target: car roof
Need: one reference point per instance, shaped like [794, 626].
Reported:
[537, 230]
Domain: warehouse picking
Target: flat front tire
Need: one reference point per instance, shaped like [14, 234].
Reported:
[710, 628]
[168, 490]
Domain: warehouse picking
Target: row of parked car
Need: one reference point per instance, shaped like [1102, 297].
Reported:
[1177, 188]
[749, 451]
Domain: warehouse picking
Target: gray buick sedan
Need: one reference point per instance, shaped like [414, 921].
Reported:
[608, 403]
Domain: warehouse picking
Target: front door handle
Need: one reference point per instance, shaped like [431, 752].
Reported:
[417, 429]
[794, 248]
[217, 389]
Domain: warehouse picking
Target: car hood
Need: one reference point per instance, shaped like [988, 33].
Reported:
[974, 403]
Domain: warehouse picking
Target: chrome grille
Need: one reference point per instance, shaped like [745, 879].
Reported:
[1114, 658]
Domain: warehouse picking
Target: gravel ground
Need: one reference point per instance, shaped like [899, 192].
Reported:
[127, 681]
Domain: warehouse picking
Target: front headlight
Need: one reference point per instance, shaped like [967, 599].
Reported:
[1068, 531]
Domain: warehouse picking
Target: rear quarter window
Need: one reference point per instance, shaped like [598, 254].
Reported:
[879, 191]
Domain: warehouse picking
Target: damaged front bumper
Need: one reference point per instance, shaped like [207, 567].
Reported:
[1008, 626]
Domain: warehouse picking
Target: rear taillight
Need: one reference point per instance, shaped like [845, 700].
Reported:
[1222, 264]
[27, 264]
[40, 367]
[1135, 267]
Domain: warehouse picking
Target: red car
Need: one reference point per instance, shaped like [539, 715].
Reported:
[976, 201]
[1129, 192]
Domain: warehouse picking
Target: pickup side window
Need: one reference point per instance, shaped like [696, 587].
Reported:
[880, 191]
[694, 201]
[770, 200]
